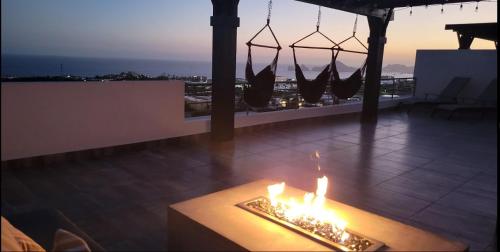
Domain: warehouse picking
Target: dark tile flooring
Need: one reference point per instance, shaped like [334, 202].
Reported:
[432, 173]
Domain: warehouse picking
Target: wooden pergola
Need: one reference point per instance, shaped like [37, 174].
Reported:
[225, 22]
[467, 32]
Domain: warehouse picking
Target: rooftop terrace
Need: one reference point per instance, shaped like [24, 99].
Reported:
[432, 173]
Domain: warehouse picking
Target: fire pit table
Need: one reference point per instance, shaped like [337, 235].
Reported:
[225, 221]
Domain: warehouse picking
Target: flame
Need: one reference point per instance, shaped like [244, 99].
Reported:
[274, 191]
[322, 185]
[312, 207]
[344, 237]
[316, 154]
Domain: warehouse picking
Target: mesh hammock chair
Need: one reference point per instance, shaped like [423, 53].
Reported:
[347, 88]
[259, 90]
[312, 90]
[260, 87]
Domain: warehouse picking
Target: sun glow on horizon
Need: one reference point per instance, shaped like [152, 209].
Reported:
[181, 29]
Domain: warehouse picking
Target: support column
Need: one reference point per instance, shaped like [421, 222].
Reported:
[464, 41]
[376, 43]
[225, 22]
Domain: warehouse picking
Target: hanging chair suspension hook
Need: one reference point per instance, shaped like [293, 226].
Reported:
[335, 46]
[354, 35]
[355, 26]
[269, 9]
[318, 23]
[278, 46]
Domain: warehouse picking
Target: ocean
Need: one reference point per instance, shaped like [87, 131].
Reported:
[25, 66]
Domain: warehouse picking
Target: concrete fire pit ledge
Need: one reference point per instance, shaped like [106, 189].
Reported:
[214, 222]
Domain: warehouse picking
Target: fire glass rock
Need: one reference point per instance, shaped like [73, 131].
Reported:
[325, 230]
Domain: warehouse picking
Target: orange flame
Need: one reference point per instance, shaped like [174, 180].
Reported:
[312, 205]
[316, 154]
[274, 191]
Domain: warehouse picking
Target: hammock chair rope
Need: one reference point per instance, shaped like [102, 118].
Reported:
[269, 9]
[355, 26]
[319, 18]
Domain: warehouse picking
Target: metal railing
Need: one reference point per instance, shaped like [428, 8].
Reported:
[286, 96]
[398, 87]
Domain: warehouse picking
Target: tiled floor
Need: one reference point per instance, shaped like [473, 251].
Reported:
[432, 173]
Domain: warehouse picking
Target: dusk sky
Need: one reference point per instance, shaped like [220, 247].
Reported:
[180, 30]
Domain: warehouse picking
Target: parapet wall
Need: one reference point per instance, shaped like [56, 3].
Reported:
[435, 68]
[47, 118]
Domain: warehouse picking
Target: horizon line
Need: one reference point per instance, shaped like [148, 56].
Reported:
[155, 59]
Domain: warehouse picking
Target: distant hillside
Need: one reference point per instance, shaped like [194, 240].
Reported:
[302, 66]
[398, 68]
[341, 67]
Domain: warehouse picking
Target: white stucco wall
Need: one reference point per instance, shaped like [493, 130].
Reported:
[49, 118]
[435, 68]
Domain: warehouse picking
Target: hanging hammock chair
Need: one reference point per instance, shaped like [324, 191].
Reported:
[312, 90]
[347, 88]
[260, 87]
[259, 90]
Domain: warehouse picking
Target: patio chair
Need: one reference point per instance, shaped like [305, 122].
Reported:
[41, 225]
[487, 100]
[447, 96]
